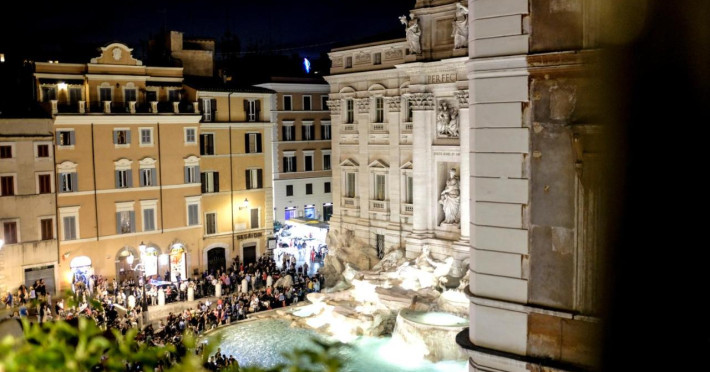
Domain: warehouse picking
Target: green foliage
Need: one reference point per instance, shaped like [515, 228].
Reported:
[61, 346]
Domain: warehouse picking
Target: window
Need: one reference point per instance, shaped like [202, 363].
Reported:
[325, 130]
[254, 179]
[380, 245]
[408, 114]
[289, 190]
[68, 182]
[306, 103]
[210, 182]
[7, 185]
[255, 218]
[309, 189]
[124, 178]
[65, 138]
[121, 137]
[49, 94]
[149, 217]
[324, 102]
[46, 228]
[209, 107]
[210, 223]
[191, 173]
[289, 132]
[5, 152]
[379, 110]
[326, 161]
[129, 95]
[42, 151]
[69, 224]
[173, 95]
[377, 58]
[146, 136]
[207, 144]
[125, 222]
[289, 163]
[308, 161]
[105, 94]
[151, 96]
[350, 185]
[252, 109]
[379, 187]
[190, 135]
[193, 214]
[287, 103]
[349, 111]
[408, 190]
[326, 187]
[74, 95]
[252, 142]
[307, 131]
[9, 229]
[348, 62]
[44, 183]
[148, 177]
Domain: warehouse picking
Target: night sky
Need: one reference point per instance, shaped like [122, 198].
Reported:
[45, 30]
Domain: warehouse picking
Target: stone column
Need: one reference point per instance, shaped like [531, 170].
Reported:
[161, 297]
[423, 107]
[190, 294]
[218, 290]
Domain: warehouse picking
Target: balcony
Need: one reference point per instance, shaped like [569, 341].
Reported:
[379, 206]
[128, 108]
[349, 128]
[378, 128]
[407, 127]
[350, 203]
[407, 209]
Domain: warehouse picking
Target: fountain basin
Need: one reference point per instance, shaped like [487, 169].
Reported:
[429, 334]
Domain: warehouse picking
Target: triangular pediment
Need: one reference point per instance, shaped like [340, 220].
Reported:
[407, 165]
[378, 164]
[349, 163]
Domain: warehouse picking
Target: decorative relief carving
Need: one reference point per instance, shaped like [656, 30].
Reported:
[333, 105]
[362, 57]
[447, 121]
[394, 103]
[337, 61]
[422, 101]
[363, 105]
[462, 97]
[393, 53]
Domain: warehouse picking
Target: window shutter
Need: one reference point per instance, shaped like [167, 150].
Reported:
[62, 182]
[67, 231]
[133, 220]
[118, 175]
[285, 165]
[74, 182]
[72, 139]
[115, 137]
[118, 222]
[258, 142]
[202, 144]
[257, 109]
[129, 178]
[248, 178]
[128, 137]
[213, 107]
[246, 109]
[295, 164]
[197, 170]
[59, 138]
[246, 143]
[187, 172]
[259, 181]
[203, 182]
[154, 177]
[141, 177]
[283, 132]
[303, 132]
[215, 179]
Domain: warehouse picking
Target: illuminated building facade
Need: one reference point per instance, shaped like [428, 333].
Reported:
[301, 151]
[28, 230]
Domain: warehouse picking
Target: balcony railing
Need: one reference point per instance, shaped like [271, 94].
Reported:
[407, 209]
[382, 206]
[349, 128]
[378, 127]
[407, 127]
[351, 203]
[128, 108]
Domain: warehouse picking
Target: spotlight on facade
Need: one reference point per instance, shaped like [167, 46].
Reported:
[62, 86]
[130, 259]
[2, 57]
[2, 243]
[246, 204]
[141, 248]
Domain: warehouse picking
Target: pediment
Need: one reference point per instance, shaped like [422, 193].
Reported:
[349, 163]
[407, 165]
[378, 164]
[116, 54]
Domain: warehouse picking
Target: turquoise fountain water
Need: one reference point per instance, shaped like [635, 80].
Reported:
[261, 342]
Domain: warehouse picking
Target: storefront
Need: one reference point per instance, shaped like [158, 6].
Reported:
[80, 270]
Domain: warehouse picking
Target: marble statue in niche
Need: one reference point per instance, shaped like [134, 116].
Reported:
[414, 33]
[450, 199]
[447, 121]
[460, 29]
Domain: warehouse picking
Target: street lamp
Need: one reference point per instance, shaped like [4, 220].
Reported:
[246, 204]
[140, 267]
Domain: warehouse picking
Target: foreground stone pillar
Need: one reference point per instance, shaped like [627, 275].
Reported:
[190, 294]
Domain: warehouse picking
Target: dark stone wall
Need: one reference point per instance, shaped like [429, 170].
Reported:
[555, 25]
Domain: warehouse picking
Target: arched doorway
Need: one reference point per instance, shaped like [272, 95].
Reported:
[124, 270]
[81, 270]
[216, 259]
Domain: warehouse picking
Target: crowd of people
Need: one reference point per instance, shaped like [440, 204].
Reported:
[246, 289]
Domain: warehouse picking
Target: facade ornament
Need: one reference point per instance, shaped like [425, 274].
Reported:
[462, 97]
[422, 101]
[393, 53]
[336, 61]
[447, 121]
[363, 105]
[333, 105]
[414, 33]
[362, 57]
[394, 103]
[460, 27]
[450, 200]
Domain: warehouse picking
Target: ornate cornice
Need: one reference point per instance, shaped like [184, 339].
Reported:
[334, 105]
[394, 103]
[422, 101]
[462, 97]
[363, 105]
